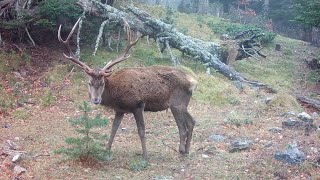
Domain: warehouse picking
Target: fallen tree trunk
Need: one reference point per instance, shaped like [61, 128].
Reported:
[313, 102]
[207, 52]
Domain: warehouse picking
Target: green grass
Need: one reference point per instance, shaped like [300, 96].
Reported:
[57, 74]
[138, 165]
[313, 76]
[236, 119]
[216, 99]
[276, 71]
[215, 90]
[21, 114]
[12, 61]
[47, 97]
[282, 102]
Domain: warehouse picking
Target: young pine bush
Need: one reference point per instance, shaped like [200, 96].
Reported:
[88, 145]
[234, 29]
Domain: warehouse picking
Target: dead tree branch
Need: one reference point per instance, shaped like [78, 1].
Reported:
[174, 60]
[247, 45]
[313, 102]
[32, 41]
[206, 52]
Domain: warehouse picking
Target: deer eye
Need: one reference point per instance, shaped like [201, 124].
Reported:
[90, 84]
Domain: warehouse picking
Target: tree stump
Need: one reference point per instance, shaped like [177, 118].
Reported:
[278, 47]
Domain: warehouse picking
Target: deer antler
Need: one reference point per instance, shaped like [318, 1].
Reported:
[71, 56]
[106, 71]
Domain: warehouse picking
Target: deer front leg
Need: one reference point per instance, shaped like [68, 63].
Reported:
[139, 116]
[115, 125]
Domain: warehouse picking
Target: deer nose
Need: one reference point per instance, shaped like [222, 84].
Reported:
[96, 101]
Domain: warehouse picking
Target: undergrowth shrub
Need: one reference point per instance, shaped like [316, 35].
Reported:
[7, 101]
[170, 17]
[47, 98]
[138, 165]
[54, 12]
[233, 29]
[236, 119]
[12, 61]
[88, 146]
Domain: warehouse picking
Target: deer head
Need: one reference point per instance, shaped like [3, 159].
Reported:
[98, 76]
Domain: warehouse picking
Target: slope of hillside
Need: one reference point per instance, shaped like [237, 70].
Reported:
[37, 104]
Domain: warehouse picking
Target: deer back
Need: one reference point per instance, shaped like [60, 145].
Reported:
[154, 86]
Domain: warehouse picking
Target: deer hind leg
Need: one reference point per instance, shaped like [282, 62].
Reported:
[184, 120]
[139, 116]
[115, 125]
[182, 128]
[190, 125]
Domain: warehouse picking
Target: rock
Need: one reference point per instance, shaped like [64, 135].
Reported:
[23, 72]
[9, 145]
[278, 47]
[18, 170]
[291, 123]
[275, 130]
[314, 150]
[17, 75]
[306, 123]
[6, 126]
[305, 117]
[292, 155]
[208, 71]
[217, 138]
[162, 178]
[16, 158]
[309, 128]
[288, 114]
[211, 150]
[205, 156]
[239, 145]
[268, 100]
[224, 37]
[268, 144]
[315, 115]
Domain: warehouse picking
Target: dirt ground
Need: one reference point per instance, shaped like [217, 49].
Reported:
[44, 129]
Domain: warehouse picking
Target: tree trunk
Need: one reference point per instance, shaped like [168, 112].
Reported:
[207, 52]
[266, 8]
[203, 6]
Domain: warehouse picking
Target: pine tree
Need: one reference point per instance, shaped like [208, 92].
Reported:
[88, 145]
[308, 12]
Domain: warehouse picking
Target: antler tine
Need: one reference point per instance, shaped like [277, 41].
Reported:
[72, 57]
[70, 34]
[106, 70]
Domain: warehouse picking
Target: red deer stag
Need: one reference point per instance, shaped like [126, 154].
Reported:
[135, 90]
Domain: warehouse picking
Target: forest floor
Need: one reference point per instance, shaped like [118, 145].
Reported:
[46, 93]
[40, 127]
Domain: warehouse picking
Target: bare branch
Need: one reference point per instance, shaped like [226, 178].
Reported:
[103, 24]
[173, 59]
[32, 41]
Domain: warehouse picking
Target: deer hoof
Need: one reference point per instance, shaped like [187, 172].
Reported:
[182, 150]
